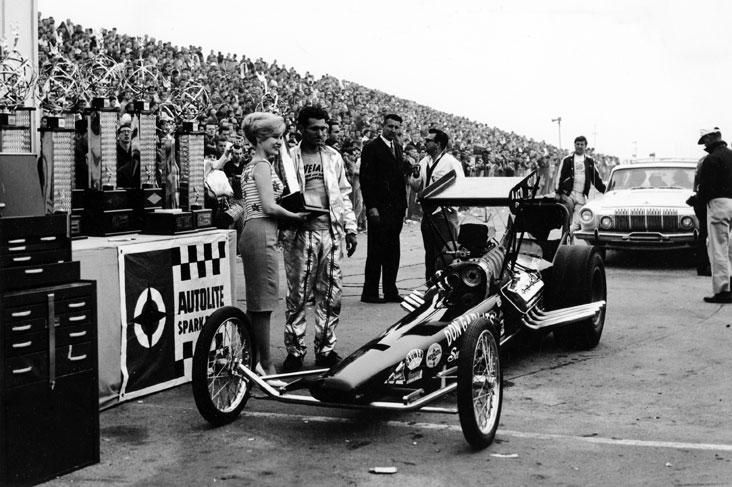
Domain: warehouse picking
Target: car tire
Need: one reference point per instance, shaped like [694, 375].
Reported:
[578, 277]
[224, 344]
[479, 383]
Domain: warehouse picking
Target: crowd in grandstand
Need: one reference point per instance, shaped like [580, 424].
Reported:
[237, 84]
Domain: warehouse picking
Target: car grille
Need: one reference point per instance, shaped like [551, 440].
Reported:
[647, 220]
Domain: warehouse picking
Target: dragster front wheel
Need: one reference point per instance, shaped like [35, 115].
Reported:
[479, 384]
[224, 344]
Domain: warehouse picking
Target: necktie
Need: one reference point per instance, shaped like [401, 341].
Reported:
[393, 152]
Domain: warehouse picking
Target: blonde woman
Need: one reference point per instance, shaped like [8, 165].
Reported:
[260, 189]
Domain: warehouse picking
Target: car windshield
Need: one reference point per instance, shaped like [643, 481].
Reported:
[652, 177]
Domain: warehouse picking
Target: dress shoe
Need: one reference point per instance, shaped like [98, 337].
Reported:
[328, 360]
[292, 363]
[372, 299]
[725, 297]
[704, 271]
[393, 298]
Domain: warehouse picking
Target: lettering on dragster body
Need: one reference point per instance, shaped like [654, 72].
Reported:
[192, 324]
[202, 299]
[458, 326]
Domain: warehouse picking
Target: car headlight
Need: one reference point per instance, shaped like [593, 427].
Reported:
[586, 215]
[606, 223]
[687, 223]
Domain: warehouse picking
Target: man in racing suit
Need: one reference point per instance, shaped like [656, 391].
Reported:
[575, 174]
[313, 252]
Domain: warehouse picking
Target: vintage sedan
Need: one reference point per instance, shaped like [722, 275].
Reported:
[644, 207]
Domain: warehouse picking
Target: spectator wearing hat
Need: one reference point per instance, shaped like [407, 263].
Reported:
[384, 192]
[715, 190]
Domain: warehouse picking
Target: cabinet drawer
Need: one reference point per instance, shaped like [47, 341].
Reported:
[26, 343]
[41, 275]
[24, 327]
[21, 228]
[69, 291]
[25, 259]
[35, 244]
[70, 359]
[78, 305]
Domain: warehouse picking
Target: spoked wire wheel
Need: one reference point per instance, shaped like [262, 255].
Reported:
[479, 384]
[224, 345]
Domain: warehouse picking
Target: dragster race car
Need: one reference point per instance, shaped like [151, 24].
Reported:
[485, 293]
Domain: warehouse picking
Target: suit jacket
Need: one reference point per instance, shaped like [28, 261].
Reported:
[383, 181]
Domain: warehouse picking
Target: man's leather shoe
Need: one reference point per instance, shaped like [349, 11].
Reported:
[393, 298]
[725, 297]
[372, 299]
[704, 271]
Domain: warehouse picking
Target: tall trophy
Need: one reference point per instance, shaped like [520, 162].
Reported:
[17, 82]
[106, 206]
[142, 81]
[193, 101]
[59, 92]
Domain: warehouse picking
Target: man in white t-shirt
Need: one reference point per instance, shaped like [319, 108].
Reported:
[575, 174]
[436, 164]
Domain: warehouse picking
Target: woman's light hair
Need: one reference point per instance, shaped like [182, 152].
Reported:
[261, 125]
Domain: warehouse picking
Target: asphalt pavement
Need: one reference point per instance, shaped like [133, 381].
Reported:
[651, 405]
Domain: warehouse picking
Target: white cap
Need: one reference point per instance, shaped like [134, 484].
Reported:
[704, 132]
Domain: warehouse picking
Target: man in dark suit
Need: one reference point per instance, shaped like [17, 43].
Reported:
[383, 186]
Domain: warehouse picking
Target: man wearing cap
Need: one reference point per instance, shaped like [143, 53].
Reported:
[715, 190]
[575, 175]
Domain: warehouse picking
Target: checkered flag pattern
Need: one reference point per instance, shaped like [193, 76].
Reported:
[197, 261]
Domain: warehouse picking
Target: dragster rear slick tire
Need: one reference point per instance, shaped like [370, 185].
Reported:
[479, 383]
[224, 343]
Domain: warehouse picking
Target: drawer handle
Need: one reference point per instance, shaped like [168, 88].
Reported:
[22, 371]
[20, 314]
[77, 305]
[34, 271]
[16, 249]
[21, 328]
[77, 318]
[22, 259]
[22, 345]
[48, 239]
[76, 359]
[16, 241]
[77, 334]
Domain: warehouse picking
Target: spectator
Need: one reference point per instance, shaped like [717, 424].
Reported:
[715, 189]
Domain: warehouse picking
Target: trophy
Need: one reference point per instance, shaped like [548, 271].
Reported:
[142, 82]
[193, 101]
[106, 207]
[17, 82]
[59, 91]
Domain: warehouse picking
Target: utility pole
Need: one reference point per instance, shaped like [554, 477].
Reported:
[635, 149]
[559, 127]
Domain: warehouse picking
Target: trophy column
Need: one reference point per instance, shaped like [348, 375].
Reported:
[15, 130]
[57, 159]
[189, 149]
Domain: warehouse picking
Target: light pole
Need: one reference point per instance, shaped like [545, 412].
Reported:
[635, 149]
[559, 127]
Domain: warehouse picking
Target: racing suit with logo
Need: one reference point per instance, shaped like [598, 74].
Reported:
[313, 254]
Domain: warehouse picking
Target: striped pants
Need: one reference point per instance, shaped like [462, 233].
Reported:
[313, 261]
